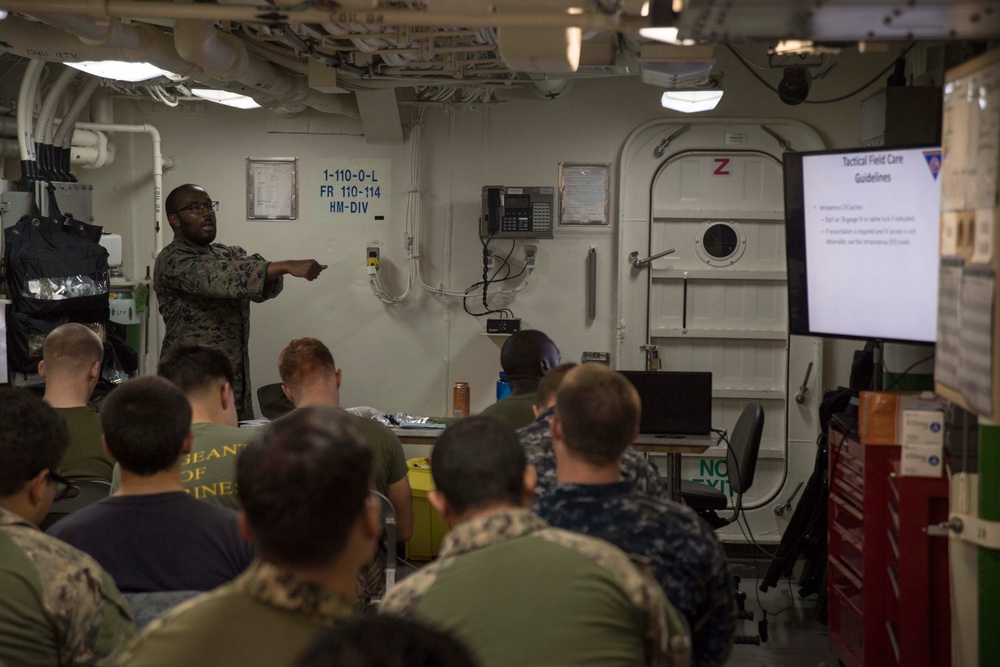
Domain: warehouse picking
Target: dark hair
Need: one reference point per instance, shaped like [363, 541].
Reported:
[194, 367]
[33, 438]
[304, 483]
[549, 385]
[522, 354]
[145, 421]
[599, 411]
[170, 203]
[385, 641]
[302, 357]
[479, 462]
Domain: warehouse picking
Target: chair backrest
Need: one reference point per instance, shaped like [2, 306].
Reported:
[148, 606]
[87, 491]
[744, 446]
[273, 402]
[389, 526]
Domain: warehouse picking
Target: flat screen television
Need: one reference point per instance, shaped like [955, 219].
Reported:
[862, 230]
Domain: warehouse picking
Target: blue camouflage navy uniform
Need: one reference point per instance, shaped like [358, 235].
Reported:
[686, 558]
[204, 294]
[536, 438]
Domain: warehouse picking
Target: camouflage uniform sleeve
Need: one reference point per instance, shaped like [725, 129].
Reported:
[643, 472]
[92, 620]
[205, 273]
[717, 617]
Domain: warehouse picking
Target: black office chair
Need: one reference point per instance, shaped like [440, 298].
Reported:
[273, 402]
[87, 491]
[741, 462]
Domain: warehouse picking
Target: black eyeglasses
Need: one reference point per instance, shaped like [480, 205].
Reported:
[200, 207]
[64, 488]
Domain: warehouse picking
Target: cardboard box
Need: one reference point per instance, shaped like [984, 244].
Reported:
[922, 427]
[428, 526]
[921, 461]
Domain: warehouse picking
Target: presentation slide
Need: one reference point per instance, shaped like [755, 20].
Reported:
[871, 223]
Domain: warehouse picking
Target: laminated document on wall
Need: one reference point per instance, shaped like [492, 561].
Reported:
[975, 307]
[966, 371]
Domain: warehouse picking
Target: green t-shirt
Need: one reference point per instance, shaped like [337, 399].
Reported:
[390, 461]
[85, 458]
[209, 471]
[515, 410]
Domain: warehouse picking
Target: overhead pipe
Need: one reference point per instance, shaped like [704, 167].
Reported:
[154, 134]
[226, 58]
[63, 136]
[43, 133]
[106, 9]
[30, 39]
[25, 121]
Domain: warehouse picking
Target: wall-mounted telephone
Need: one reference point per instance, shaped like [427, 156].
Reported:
[517, 212]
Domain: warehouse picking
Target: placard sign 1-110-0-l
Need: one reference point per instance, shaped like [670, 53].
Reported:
[351, 190]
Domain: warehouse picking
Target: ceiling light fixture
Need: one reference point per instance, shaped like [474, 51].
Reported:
[120, 71]
[691, 101]
[225, 97]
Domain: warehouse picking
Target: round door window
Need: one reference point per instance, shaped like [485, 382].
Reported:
[720, 243]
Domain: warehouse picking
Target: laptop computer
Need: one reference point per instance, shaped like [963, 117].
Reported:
[673, 402]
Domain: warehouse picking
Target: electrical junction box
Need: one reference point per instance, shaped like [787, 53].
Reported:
[503, 326]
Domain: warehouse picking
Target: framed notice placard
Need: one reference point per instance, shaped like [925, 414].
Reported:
[584, 193]
[272, 188]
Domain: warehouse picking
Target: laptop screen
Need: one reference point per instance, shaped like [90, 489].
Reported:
[673, 402]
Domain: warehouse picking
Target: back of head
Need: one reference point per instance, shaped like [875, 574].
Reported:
[477, 463]
[549, 386]
[145, 422]
[386, 641]
[599, 412]
[194, 368]
[32, 438]
[303, 357]
[70, 350]
[528, 354]
[303, 484]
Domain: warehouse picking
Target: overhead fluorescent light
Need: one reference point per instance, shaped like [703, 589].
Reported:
[225, 97]
[691, 101]
[121, 71]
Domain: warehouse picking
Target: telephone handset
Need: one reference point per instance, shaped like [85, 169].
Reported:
[517, 212]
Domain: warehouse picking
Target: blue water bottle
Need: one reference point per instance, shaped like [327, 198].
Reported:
[503, 387]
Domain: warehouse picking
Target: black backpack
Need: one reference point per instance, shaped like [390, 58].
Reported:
[57, 271]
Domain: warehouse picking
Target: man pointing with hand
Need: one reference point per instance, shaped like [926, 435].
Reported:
[204, 289]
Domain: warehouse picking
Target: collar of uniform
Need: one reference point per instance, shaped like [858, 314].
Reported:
[284, 589]
[599, 491]
[8, 518]
[494, 528]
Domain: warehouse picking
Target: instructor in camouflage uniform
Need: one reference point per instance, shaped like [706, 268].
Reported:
[205, 289]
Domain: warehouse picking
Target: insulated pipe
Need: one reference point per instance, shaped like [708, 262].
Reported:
[157, 170]
[30, 39]
[25, 109]
[146, 9]
[69, 120]
[46, 114]
[8, 130]
[225, 57]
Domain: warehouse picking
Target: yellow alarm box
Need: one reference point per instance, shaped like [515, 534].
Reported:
[428, 526]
